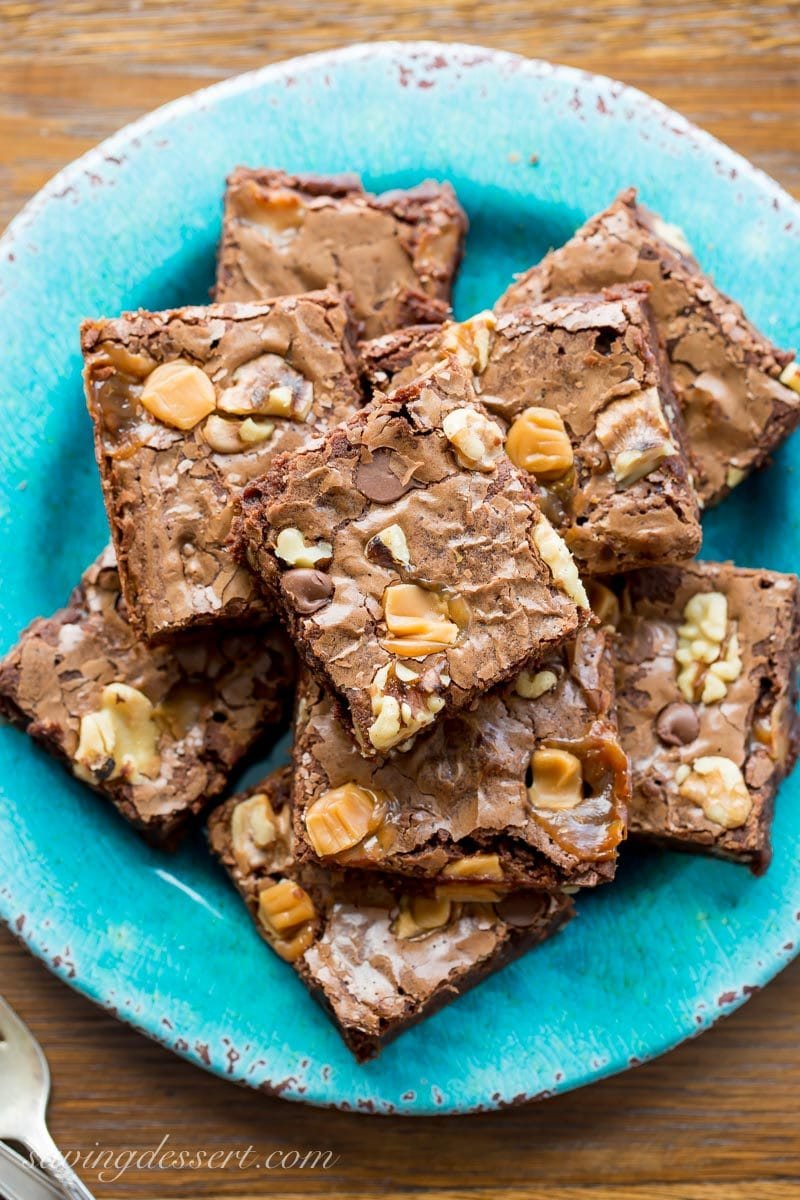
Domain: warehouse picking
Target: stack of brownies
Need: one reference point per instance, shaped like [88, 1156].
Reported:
[477, 541]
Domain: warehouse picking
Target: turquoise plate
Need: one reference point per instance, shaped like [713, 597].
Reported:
[163, 941]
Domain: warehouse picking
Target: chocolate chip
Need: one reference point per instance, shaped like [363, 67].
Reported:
[377, 481]
[521, 909]
[677, 724]
[307, 589]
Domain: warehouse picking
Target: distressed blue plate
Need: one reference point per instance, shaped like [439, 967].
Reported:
[164, 942]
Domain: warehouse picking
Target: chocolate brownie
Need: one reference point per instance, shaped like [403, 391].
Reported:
[527, 789]
[707, 658]
[583, 395]
[738, 393]
[378, 957]
[157, 731]
[396, 254]
[188, 406]
[411, 559]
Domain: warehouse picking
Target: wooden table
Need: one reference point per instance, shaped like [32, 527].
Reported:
[718, 1118]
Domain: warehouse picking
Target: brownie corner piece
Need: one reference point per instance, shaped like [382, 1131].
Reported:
[395, 254]
[411, 559]
[707, 659]
[156, 730]
[738, 393]
[188, 405]
[344, 932]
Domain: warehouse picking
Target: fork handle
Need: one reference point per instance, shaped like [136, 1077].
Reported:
[52, 1161]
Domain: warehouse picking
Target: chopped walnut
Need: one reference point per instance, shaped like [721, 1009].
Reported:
[478, 442]
[259, 836]
[553, 550]
[267, 386]
[393, 543]
[531, 687]
[634, 433]
[119, 739]
[790, 376]
[469, 340]
[396, 720]
[716, 785]
[291, 546]
[707, 654]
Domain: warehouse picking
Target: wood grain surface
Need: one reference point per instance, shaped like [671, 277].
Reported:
[716, 1119]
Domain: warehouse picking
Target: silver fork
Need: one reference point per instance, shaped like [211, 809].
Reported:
[24, 1092]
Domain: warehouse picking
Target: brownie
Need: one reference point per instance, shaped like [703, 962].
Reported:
[157, 731]
[583, 394]
[411, 559]
[527, 789]
[396, 254]
[707, 657]
[378, 957]
[187, 407]
[738, 393]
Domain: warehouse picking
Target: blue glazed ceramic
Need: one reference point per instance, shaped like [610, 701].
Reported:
[163, 941]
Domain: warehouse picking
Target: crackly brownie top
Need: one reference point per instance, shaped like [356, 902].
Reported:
[377, 953]
[586, 407]
[725, 373]
[189, 405]
[411, 558]
[707, 657]
[529, 787]
[396, 254]
[157, 729]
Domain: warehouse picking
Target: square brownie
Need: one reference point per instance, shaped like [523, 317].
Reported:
[738, 393]
[583, 394]
[395, 254]
[377, 957]
[528, 788]
[411, 559]
[707, 658]
[188, 406]
[156, 730]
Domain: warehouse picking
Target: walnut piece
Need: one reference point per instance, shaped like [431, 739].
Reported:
[419, 916]
[341, 818]
[418, 621]
[119, 739]
[553, 550]
[292, 547]
[539, 443]
[673, 235]
[716, 785]
[267, 386]
[634, 433]
[707, 654]
[393, 540]
[531, 687]
[790, 375]
[287, 915]
[478, 442]
[469, 340]
[557, 779]
[259, 835]
[395, 719]
[179, 394]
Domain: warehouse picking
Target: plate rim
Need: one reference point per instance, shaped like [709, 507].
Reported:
[458, 55]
